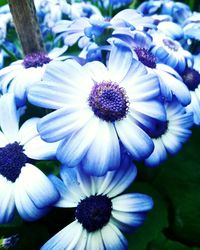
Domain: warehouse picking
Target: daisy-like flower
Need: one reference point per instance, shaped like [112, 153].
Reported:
[98, 109]
[9, 242]
[191, 26]
[100, 212]
[169, 136]
[16, 77]
[170, 52]
[22, 185]
[170, 81]
[191, 78]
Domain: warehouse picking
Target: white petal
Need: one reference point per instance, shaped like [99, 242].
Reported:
[25, 206]
[71, 181]
[8, 117]
[126, 221]
[113, 238]
[3, 140]
[7, 204]
[38, 149]
[134, 139]
[104, 152]
[67, 238]
[67, 198]
[81, 244]
[95, 241]
[63, 123]
[69, 73]
[150, 108]
[28, 130]
[71, 151]
[119, 61]
[132, 202]
[37, 186]
[56, 52]
[54, 95]
[121, 180]
[98, 71]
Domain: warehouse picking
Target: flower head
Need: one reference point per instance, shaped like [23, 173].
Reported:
[22, 184]
[16, 77]
[169, 136]
[99, 109]
[100, 212]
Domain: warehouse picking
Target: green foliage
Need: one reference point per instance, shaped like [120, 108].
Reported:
[3, 2]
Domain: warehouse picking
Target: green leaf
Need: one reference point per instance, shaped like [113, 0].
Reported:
[178, 181]
[164, 244]
[3, 2]
[49, 167]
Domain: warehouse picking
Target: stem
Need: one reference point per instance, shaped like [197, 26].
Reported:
[27, 26]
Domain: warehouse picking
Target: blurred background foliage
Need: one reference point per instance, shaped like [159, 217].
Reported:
[173, 224]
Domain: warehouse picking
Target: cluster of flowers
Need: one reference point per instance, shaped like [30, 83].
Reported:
[129, 93]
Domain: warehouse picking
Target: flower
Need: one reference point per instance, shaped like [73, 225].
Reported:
[16, 77]
[191, 26]
[100, 212]
[170, 52]
[22, 185]
[169, 136]
[170, 81]
[98, 109]
[9, 242]
[191, 78]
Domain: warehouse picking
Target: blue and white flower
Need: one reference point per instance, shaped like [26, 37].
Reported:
[23, 186]
[177, 10]
[169, 136]
[170, 52]
[100, 212]
[16, 77]
[9, 242]
[191, 78]
[170, 81]
[98, 108]
[191, 26]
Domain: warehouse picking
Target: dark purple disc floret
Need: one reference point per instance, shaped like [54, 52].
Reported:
[191, 78]
[158, 129]
[109, 101]
[35, 60]
[94, 212]
[12, 159]
[146, 57]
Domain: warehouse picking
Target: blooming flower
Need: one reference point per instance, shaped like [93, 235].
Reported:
[98, 109]
[170, 52]
[100, 212]
[170, 81]
[9, 242]
[169, 136]
[191, 26]
[177, 10]
[191, 77]
[16, 77]
[22, 185]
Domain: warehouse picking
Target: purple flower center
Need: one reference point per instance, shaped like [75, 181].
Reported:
[171, 44]
[109, 101]
[158, 129]
[12, 159]
[94, 212]
[146, 57]
[35, 60]
[191, 78]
